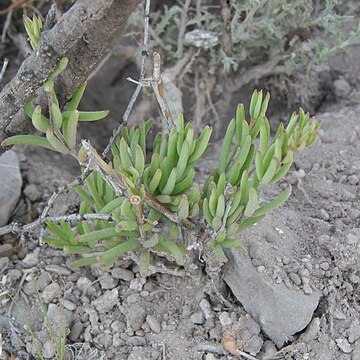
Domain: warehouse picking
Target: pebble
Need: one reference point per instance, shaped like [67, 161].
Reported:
[324, 215]
[133, 299]
[353, 180]
[4, 264]
[354, 279]
[354, 331]
[51, 292]
[352, 239]
[198, 318]
[122, 274]
[48, 350]
[153, 323]
[225, 319]
[136, 341]
[60, 270]
[307, 289]
[137, 284]
[32, 193]
[107, 301]
[341, 88]
[261, 269]
[118, 326]
[31, 259]
[85, 285]
[312, 330]
[353, 214]
[5, 249]
[107, 282]
[135, 317]
[43, 280]
[206, 308]
[68, 305]
[118, 341]
[76, 331]
[295, 278]
[15, 274]
[325, 266]
[210, 356]
[10, 184]
[344, 345]
[269, 348]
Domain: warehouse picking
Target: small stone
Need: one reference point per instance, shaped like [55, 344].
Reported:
[133, 298]
[206, 308]
[31, 259]
[5, 249]
[307, 289]
[107, 301]
[68, 305]
[356, 353]
[118, 341]
[32, 193]
[51, 292]
[344, 345]
[118, 326]
[76, 331]
[14, 275]
[312, 330]
[354, 331]
[122, 274]
[255, 251]
[225, 319]
[352, 239]
[210, 356]
[198, 318]
[261, 269]
[10, 184]
[325, 266]
[43, 280]
[353, 214]
[269, 349]
[4, 264]
[353, 180]
[137, 284]
[341, 88]
[57, 269]
[108, 282]
[295, 278]
[135, 317]
[153, 323]
[85, 286]
[354, 279]
[324, 215]
[136, 341]
[48, 350]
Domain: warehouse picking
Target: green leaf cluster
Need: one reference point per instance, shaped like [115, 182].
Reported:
[33, 30]
[60, 126]
[228, 203]
[232, 192]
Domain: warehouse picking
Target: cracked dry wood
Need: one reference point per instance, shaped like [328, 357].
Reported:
[82, 34]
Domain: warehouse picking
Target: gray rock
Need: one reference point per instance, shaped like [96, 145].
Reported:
[135, 316]
[312, 330]
[32, 192]
[153, 323]
[59, 320]
[10, 184]
[137, 284]
[206, 308]
[198, 318]
[344, 345]
[225, 319]
[341, 88]
[60, 270]
[48, 350]
[4, 264]
[107, 301]
[122, 274]
[108, 282]
[136, 341]
[51, 292]
[247, 334]
[279, 311]
[31, 259]
[354, 331]
[76, 331]
[295, 278]
[356, 353]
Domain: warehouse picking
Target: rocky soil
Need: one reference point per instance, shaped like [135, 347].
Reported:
[294, 293]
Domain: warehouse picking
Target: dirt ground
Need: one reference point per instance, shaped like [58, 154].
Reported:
[310, 245]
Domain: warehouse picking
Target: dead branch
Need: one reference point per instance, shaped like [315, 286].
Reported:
[82, 34]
